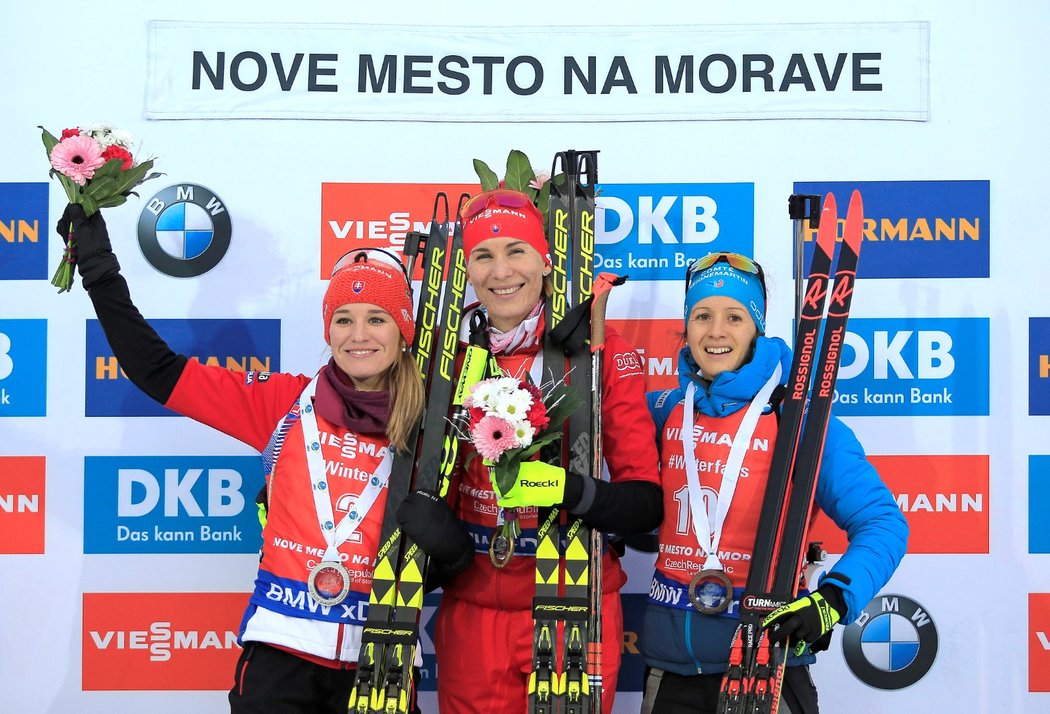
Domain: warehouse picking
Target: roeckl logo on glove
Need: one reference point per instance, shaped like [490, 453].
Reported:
[538, 484]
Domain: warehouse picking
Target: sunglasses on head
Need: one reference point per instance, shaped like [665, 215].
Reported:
[362, 255]
[735, 260]
[503, 197]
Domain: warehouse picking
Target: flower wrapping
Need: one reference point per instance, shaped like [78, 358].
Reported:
[512, 419]
[97, 169]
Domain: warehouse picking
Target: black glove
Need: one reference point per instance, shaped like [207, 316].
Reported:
[426, 518]
[94, 254]
[807, 620]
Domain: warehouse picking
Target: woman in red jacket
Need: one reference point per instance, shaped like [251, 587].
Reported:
[325, 442]
[484, 623]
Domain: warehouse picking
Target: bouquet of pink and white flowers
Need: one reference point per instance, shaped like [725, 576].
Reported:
[511, 420]
[97, 170]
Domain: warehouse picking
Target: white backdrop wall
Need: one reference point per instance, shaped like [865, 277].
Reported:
[95, 622]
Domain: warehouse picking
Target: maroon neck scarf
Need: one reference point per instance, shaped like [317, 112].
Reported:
[337, 400]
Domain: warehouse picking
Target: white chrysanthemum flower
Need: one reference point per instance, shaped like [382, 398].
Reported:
[107, 135]
[514, 405]
[484, 393]
[523, 432]
[506, 385]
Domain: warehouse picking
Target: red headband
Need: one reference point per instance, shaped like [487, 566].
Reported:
[494, 219]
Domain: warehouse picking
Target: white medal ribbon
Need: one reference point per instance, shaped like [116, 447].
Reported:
[335, 535]
[707, 538]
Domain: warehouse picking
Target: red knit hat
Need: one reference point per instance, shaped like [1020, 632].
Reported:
[503, 213]
[375, 283]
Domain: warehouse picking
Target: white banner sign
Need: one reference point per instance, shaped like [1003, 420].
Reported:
[538, 74]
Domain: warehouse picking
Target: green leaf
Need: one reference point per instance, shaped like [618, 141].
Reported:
[108, 170]
[49, 139]
[489, 180]
[89, 204]
[112, 201]
[131, 178]
[543, 202]
[99, 188]
[506, 474]
[519, 171]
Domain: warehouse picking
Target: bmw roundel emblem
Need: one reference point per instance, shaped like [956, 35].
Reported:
[892, 644]
[184, 230]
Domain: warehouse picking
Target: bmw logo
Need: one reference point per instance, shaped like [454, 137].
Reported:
[184, 230]
[893, 643]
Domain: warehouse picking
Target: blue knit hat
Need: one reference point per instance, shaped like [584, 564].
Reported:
[723, 279]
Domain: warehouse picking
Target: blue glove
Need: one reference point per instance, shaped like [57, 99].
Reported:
[537, 484]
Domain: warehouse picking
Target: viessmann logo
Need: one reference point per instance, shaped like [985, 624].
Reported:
[1039, 642]
[944, 498]
[22, 504]
[380, 215]
[658, 343]
[160, 641]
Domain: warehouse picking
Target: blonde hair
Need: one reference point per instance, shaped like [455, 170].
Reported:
[406, 400]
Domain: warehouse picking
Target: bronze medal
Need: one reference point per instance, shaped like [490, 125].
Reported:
[501, 548]
[710, 591]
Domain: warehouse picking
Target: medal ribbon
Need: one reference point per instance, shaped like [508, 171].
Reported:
[707, 538]
[335, 535]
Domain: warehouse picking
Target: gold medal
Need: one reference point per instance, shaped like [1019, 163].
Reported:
[710, 591]
[329, 582]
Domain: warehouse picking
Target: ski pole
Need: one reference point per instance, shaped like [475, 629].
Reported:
[798, 212]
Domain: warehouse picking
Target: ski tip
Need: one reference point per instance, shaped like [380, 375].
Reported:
[854, 230]
[828, 230]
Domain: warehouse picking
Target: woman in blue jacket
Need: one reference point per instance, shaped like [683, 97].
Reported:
[713, 494]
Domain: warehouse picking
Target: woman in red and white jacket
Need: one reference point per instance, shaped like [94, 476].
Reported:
[325, 443]
[484, 623]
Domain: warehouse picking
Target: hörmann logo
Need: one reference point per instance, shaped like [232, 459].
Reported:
[917, 229]
[23, 215]
[241, 345]
[892, 645]
[1039, 366]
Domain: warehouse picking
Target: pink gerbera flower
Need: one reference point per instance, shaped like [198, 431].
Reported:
[77, 157]
[493, 436]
